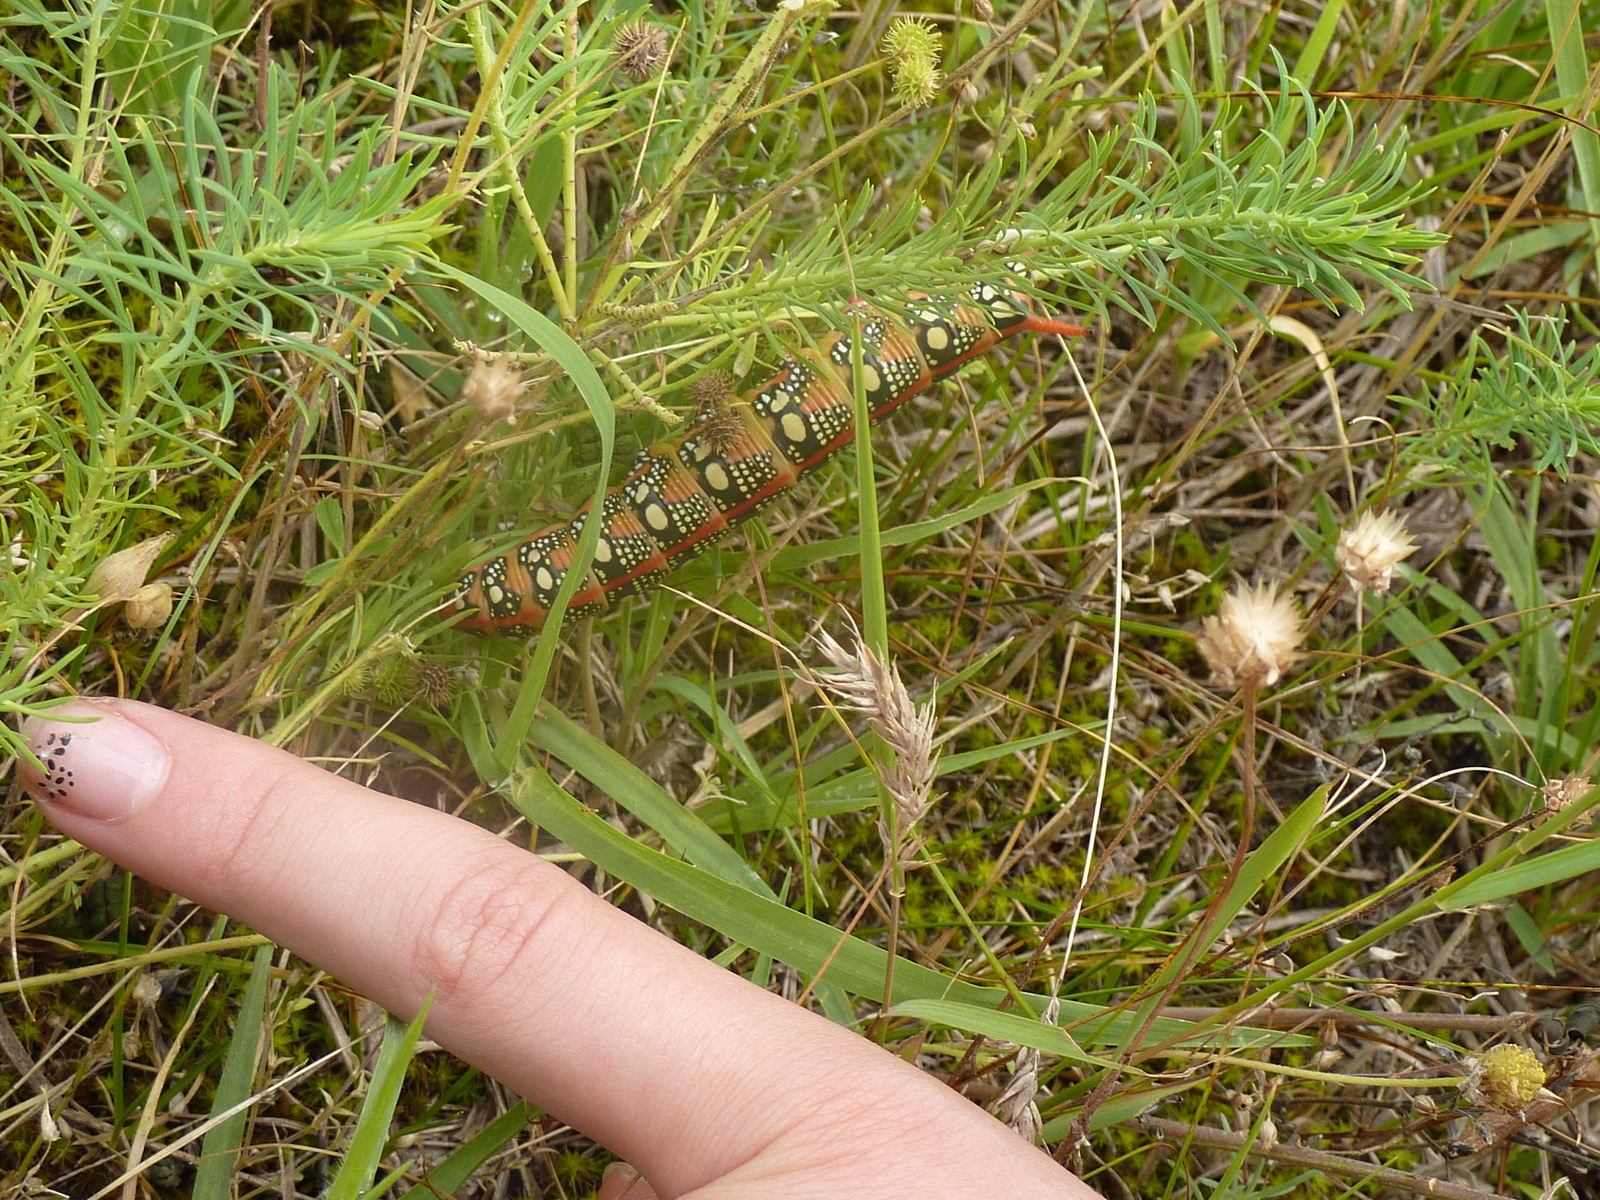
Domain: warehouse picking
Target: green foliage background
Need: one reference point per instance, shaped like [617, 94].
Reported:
[1335, 258]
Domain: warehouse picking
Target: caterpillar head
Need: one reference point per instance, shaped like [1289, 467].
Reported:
[1008, 310]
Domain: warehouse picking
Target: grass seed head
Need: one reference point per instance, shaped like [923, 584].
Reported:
[1371, 547]
[1253, 639]
[862, 683]
[493, 387]
[642, 50]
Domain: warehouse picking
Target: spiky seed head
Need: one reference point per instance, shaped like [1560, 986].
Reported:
[911, 37]
[913, 48]
[642, 49]
[1253, 638]
[433, 682]
[1563, 793]
[149, 607]
[1506, 1077]
[392, 682]
[493, 387]
[355, 676]
[1371, 547]
[917, 83]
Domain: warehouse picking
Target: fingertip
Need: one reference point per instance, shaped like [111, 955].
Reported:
[97, 762]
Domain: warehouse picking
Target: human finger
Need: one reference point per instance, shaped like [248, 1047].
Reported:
[682, 1068]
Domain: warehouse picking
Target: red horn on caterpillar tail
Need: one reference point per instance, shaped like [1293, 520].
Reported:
[742, 453]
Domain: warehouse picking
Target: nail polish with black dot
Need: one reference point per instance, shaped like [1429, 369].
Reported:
[58, 779]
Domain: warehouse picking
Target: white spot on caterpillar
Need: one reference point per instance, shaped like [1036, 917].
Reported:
[602, 551]
[717, 477]
[871, 381]
[777, 403]
[938, 339]
[641, 494]
[496, 593]
[794, 428]
[544, 579]
[656, 517]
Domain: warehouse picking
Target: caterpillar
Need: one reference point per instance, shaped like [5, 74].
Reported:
[683, 496]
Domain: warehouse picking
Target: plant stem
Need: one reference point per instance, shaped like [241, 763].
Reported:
[502, 141]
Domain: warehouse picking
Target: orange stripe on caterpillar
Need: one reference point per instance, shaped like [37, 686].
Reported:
[743, 452]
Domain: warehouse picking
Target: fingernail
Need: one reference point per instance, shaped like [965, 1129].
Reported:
[105, 767]
[618, 1181]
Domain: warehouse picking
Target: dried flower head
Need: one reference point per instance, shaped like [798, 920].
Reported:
[149, 607]
[433, 683]
[913, 48]
[713, 395]
[1371, 547]
[1506, 1077]
[1253, 638]
[642, 50]
[863, 684]
[1563, 793]
[493, 387]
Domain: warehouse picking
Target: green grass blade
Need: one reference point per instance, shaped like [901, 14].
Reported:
[1263, 865]
[1120, 1108]
[367, 1144]
[1306, 66]
[646, 799]
[874, 605]
[454, 1171]
[1572, 77]
[787, 935]
[792, 558]
[219, 1153]
[1555, 867]
[571, 358]
[1003, 1026]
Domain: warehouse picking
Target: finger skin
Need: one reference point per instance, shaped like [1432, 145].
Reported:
[711, 1086]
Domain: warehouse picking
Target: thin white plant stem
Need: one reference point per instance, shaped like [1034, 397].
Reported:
[1116, 664]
